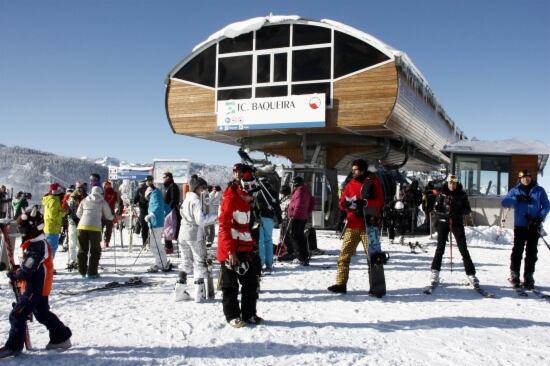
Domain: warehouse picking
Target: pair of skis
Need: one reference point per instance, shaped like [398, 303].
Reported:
[131, 282]
[428, 290]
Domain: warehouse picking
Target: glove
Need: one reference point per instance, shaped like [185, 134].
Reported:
[523, 198]
[11, 273]
[537, 222]
[149, 217]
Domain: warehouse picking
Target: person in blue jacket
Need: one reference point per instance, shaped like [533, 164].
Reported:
[155, 219]
[531, 207]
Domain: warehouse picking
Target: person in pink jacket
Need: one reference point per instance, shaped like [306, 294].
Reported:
[300, 208]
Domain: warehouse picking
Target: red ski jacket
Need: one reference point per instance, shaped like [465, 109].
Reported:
[352, 193]
[234, 232]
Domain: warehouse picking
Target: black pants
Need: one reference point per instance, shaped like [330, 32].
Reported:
[144, 228]
[249, 289]
[107, 225]
[458, 232]
[37, 305]
[88, 243]
[298, 238]
[528, 238]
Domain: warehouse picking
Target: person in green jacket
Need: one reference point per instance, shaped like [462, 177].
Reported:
[53, 214]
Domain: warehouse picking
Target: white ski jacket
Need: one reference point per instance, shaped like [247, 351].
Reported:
[193, 219]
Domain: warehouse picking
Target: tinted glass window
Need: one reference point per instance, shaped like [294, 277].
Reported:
[244, 93]
[201, 69]
[303, 34]
[298, 89]
[279, 67]
[273, 36]
[233, 71]
[272, 91]
[311, 64]
[352, 54]
[237, 44]
[263, 68]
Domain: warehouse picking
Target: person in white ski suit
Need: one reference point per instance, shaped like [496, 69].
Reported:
[191, 240]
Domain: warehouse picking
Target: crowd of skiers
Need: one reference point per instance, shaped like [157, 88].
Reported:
[246, 213]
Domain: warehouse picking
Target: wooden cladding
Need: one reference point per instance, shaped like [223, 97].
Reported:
[190, 108]
[366, 98]
[523, 162]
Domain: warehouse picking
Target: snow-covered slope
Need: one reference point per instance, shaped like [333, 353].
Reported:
[305, 324]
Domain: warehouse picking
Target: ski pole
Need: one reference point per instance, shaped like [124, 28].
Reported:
[140, 251]
[156, 243]
[451, 241]
[544, 240]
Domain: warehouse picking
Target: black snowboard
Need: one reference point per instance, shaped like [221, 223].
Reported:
[376, 274]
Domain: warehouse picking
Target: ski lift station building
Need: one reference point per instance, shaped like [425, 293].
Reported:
[314, 91]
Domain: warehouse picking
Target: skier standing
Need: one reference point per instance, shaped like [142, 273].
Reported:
[71, 206]
[90, 211]
[300, 208]
[191, 242]
[143, 205]
[451, 206]
[172, 200]
[115, 204]
[155, 219]
[34, 276]
[353, 203]
[53, 215]
[236, 250]
[531, 206]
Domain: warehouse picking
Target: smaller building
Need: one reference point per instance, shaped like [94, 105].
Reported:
[488, 169]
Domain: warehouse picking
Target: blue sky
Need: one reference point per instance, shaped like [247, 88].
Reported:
[86, 78]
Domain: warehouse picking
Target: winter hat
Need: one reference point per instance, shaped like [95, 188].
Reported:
[194, 183]
[249, 183]
[298, 180]
[524, 173]
[452, 179]
[54, 187]
[168, 175]
[30, 223]
[148, 192]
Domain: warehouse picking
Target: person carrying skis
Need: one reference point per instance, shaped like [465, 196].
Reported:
[143, 205]
[172, 200]
[300, 208]
[236, 249]
[34, 276]
[451, 206]
[53, 215]
[155, 220]
[531, 206]
[352, 202]
[191, 240]
[90, 211]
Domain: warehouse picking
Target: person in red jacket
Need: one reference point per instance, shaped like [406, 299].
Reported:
[115, 204]
[299, 209]
[236, 250]
[363, 190]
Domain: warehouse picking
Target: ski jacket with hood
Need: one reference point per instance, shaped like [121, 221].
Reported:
[112, 198]
[156, 209]
[234, 234]
[53, 214]
[453, 204]
[35, 275]
[301, 203]
[92, 209]
[535, 207]
[193, 219]
[351, 199]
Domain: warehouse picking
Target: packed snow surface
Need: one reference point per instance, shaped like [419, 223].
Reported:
[305, 324]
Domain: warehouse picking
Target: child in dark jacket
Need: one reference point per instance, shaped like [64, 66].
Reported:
[34, 277]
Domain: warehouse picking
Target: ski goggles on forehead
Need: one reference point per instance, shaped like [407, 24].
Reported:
[250, 186]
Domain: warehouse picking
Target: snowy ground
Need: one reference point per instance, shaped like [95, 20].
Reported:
[306, 325]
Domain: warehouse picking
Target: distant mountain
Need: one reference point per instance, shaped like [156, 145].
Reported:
[30, 170]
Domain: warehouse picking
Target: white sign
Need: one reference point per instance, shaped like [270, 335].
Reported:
[295, 111]
[179, 169]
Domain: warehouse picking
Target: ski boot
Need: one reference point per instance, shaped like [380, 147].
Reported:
[200, 290]
[7, 352]
[61, 345]
[514, 279]
[338, 289]
[254, 319]
[180, 290]
[236, 323]
[528, 281]
[473, 280]
[434, 278]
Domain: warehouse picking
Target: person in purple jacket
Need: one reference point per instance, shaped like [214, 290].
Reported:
[299, 209]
